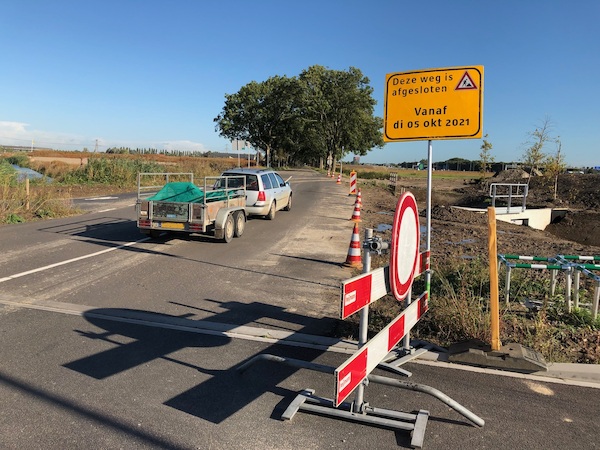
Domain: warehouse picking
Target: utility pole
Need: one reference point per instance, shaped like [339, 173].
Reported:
[96, 147]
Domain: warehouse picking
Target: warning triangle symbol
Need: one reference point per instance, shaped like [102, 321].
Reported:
[466, 82]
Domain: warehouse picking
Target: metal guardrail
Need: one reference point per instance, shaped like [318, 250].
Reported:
[509, 191]
[572, 265]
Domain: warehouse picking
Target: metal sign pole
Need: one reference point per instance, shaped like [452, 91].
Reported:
[428, 225]
[363, 326]
[406, 342]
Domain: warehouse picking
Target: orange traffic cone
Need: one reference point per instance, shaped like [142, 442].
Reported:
[353, 259]
[339, 180]
[328, 173]
[356, 213]
[359, 197]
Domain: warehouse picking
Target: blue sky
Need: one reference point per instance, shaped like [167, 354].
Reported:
[147, 73]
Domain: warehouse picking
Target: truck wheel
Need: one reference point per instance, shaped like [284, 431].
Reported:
[240, 223]
[271, 214]
[229, 229]
[288, 207]
[155, 234]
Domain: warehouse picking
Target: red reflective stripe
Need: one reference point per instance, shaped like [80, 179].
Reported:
[350, 376]
[395, 333]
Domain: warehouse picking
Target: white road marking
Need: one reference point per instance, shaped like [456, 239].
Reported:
[99, 198]
[249, 333]
[68, 261]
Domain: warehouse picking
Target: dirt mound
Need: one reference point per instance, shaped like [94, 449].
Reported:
[510, 176]
[579, 226]
[459, 235]
[457, 215]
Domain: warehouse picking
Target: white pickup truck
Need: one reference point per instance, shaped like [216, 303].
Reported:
[171, 202]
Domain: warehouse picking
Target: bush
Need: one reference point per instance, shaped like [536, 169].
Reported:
[7, 173]
[116, 172]
[459, 309]
[14, 218]
[18, 159]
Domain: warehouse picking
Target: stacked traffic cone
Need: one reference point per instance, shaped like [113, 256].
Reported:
[354, 259]
[356, 213]
[339, 180]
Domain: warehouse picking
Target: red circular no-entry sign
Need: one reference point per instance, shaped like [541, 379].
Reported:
[404, 254]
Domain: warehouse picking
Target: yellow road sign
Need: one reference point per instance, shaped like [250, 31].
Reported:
[434, 104]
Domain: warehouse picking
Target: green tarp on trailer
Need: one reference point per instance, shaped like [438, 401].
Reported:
[186, 192]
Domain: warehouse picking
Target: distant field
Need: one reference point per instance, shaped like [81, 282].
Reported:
[78, 161]
[412, 173]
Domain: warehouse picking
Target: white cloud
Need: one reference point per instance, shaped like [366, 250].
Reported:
[12, 128]
[19, 133]
[187, 146]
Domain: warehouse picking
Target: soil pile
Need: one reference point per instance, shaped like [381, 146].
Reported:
[458, 235]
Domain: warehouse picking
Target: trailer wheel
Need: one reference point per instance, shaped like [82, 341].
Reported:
[229, 229]
[240, 223]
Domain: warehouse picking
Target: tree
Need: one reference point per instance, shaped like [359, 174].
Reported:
[555, 165]
[485, 157]
[339, 110]
[537, 139]
[260, 113]
[322, 112]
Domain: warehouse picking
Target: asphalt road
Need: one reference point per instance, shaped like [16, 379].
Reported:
[110, 340]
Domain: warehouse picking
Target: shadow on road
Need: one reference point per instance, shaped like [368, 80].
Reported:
[158, 335]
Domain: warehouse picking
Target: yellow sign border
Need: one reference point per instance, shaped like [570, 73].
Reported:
[435, 98]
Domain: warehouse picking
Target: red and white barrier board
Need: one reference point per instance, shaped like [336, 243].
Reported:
[367, 288]
[363, 289]
[352, 183]
[354, 371]
[406, 263]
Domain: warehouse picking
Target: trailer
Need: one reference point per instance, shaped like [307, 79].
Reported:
[172, 202]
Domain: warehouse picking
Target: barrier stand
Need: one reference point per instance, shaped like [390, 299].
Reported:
[359, 411]
[543, 263]
[572, 265]
[586, 269]
[596, 278]
[355, 373]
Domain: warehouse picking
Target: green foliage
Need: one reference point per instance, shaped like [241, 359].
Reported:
[117, 172]
[459, 310]
[534, 155]
[486, 156]
[554, 165]
[44, 213]
[371, 175]
[303, 119]
[14, 218]
[460, 305]
[18, 159]
[7, 172]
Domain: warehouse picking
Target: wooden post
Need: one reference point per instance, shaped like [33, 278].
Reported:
[494, 292]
